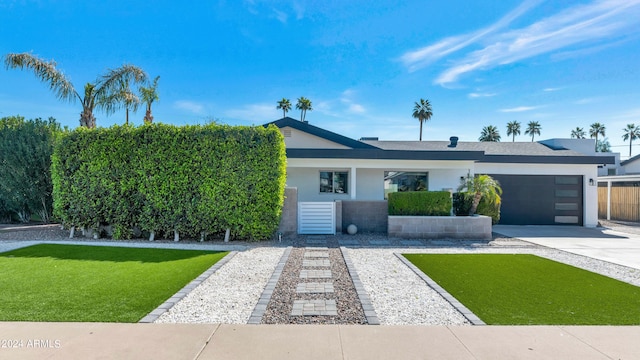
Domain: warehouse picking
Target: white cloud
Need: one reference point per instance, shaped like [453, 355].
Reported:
[280, 16]
[519, 109]
[420, 58]
[190, 106]
[480, 95]
[586, 101]
[551, 89]
[255, 113]
[352, 106]
[581, 25]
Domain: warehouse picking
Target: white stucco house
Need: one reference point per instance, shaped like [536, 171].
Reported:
[543, 182]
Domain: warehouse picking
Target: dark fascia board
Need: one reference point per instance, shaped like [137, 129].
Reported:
[625, 162]
[538, 159]
[322, 133]
[376, 153]
[478, 156]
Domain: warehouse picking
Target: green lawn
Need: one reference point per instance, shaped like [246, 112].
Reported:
[93, 283]
[530, 290]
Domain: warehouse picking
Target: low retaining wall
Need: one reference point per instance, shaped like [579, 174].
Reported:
[368, 216]
[440, 227]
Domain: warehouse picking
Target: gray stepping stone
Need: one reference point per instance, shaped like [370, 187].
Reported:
[315, 274]
[316, 254]
[315, 287]
[314, 263]
[314, 308]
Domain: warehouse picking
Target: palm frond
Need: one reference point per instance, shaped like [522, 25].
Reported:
[46, 72]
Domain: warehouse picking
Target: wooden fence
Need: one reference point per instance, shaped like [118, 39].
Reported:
[625, 203]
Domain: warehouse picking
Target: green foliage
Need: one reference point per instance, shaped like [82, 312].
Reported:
[420, 203]
[480, 187]
[25, 160]
[462, 205]
[109, 284]
[162, 178]
[524, 289]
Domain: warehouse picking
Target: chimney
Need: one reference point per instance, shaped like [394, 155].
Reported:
[454, 141]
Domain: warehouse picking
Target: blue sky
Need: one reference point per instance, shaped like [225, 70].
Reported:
[363, 64]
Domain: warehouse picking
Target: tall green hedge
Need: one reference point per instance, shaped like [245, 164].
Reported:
[25, 161]
[462, 204]
[420, 203]
[162, 178]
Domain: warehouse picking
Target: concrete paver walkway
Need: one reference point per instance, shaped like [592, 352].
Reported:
[214, 341]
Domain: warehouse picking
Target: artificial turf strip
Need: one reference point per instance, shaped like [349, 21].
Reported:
[93, 283]
[529, 290]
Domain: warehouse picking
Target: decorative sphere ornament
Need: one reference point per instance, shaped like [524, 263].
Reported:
[352, 229]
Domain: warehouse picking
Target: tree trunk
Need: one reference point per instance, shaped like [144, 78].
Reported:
[87, 119]
[420, 130]
[474, 204]
[148, 118]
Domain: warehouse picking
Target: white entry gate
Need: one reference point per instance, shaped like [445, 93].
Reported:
[316, 218]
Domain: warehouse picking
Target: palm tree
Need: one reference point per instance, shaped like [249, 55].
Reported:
[422, 111]
[578, 133]
[603, 146]
[303, 105]
[490, 133]
[99, 94]
[533, 129]
[631, 132]
[513, 129]
[285, 105]
[125, 96]
[148, 96]
[478, 187]
[595, 130]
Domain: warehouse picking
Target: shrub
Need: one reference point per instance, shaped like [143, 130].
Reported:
[163, 178]
[420, 203]
[25, 160]
[462, 204]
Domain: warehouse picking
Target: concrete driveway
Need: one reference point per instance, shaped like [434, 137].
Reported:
[599, 243]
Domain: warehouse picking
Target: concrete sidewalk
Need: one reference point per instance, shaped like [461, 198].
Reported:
[27, 340]
[599, 243]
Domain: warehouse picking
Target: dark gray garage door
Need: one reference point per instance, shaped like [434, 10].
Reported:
[541, 199]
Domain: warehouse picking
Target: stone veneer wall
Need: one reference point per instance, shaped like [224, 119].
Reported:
[368, 216]
[289, 218]
[440, 227]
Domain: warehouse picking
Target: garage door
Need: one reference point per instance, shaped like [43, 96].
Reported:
[541, 199]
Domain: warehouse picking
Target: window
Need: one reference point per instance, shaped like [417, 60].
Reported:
[398, 181]
[334, 182]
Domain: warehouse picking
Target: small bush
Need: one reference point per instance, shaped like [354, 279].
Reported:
[462, 204]
[420, 203]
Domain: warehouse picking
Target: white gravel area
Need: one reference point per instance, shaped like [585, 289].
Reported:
[400, 297]
[231, 293]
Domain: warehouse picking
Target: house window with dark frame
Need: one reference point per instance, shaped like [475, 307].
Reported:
[398, 181]
[336, 182]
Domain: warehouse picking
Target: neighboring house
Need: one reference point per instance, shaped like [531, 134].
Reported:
[630, 166]
[541, 184]
[587, 147]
